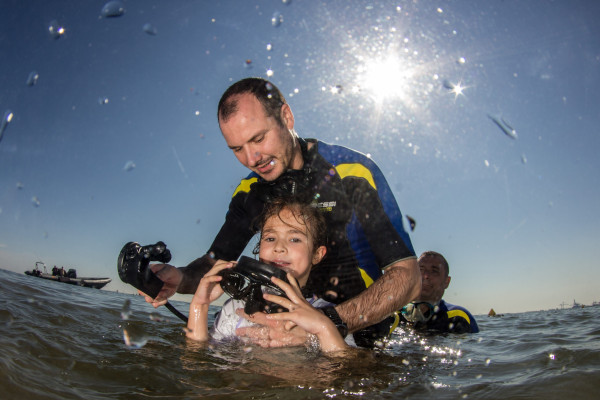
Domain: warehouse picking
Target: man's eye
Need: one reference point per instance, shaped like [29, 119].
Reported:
[295, 240]
[268, 239]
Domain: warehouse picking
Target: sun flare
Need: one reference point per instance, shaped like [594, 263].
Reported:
[385, 78]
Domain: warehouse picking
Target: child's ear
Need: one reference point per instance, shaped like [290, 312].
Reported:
[319, 254]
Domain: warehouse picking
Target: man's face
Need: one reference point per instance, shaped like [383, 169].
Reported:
[258, 141]
[434, 279]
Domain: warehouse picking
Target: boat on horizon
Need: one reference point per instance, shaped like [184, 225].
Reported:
[70, 276]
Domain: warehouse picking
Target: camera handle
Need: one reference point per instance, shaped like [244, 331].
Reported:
[133, 267]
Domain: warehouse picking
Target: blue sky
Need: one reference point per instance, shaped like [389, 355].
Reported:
[410, 83]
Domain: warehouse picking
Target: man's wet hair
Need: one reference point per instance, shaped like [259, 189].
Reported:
[268, 94]
[436, 254]
[303, 212]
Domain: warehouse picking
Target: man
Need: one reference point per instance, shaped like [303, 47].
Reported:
[429, 311]
[364, 222]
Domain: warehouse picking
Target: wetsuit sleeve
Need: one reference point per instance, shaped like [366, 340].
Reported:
[238, 229]
[231, 240]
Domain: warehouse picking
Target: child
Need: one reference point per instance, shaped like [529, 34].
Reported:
[292, 237]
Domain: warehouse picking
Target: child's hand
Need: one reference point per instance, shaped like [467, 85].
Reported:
[209, 289]
[301, 312]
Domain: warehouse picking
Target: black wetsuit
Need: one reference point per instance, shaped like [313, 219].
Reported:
[448, 318]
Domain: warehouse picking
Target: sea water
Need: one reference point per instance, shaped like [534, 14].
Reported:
[61, 341]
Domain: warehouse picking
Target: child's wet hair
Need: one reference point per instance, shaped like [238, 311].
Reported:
[304, 213]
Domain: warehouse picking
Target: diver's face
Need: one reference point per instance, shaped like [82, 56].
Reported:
[286, 244]
[258, 141]
[433, 278]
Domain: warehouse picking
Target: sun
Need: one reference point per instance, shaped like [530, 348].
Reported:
[385, 78]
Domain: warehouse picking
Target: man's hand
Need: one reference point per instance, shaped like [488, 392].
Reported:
[171, 277]
[270, 333]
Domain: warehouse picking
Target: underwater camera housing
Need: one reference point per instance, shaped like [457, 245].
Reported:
[133, 266]
[248, 280]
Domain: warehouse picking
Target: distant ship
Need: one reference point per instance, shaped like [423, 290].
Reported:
[70, 276]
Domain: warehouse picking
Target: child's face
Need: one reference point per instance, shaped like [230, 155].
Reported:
[286, 243]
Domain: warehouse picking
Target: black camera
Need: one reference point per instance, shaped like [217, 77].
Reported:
[248, 280]
[133, 266]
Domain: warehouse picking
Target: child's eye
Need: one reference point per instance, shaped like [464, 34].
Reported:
[268, 239]
[295, 240]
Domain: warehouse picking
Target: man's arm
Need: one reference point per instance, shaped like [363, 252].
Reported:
[399, 285]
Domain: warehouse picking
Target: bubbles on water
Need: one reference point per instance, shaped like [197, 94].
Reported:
[32, 78]
[8, 116]
[102, 100]
[126, 310]
[276, 19]
[150, 29]
[113, 9]
[134, 337]
[35, 201]
[55, 29]
[129, 165]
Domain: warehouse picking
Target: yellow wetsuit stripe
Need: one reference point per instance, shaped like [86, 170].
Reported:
[357, 170]
[244, 186]
[459, 313]
[368, 280]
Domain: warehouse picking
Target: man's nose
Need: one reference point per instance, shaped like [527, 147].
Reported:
[252, 156]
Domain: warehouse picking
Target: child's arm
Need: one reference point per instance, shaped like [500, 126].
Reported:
[304, 315]
[208, 291]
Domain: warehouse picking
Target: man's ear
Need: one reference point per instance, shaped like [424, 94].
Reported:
[319, 254]
[447, 283]
[287, 117]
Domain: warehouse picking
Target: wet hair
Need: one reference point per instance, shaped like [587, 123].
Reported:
[304, 213]
[268, 94]
[436, 254]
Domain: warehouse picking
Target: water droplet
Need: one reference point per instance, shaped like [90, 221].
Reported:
[157, 317]
[32, 78]
[524, 159]
[113, 9]
[102, 100]
[276, 19]
[461, 60]
[56, 30]
[552, 356]
[486, 162]
[8, 116]
[487, 361]
[269, 72]
[126, 309]
[129, 165]
[269, 47]
[440, 10]
[149, 29]
[412, 223]
[286, 2]
[134, 337]
[35, 201]
[20, 186]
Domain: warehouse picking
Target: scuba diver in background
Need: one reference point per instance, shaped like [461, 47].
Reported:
[430, 311]
[364, 223]
[292, 238]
